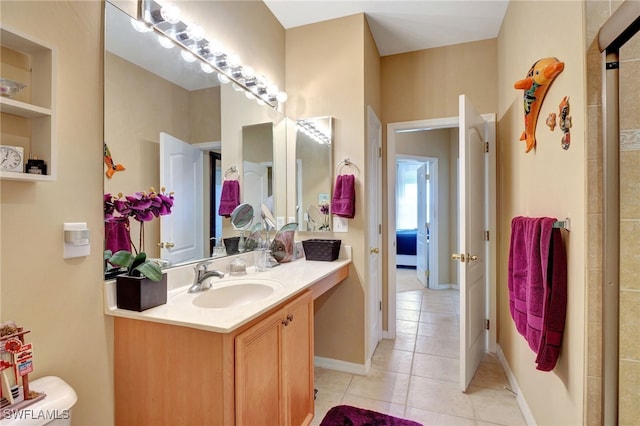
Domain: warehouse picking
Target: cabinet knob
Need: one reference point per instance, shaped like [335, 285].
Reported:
[289, 319]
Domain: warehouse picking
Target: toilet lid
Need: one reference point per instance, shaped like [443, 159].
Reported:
[59, 399]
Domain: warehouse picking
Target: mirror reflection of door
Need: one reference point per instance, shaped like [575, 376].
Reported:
[181, 169]
[215, 189]
[257, 166]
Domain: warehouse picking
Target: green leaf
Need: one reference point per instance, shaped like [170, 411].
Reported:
[150, 270]
[121, 258]
[139, 260]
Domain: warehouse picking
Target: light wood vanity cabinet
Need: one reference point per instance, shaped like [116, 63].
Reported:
[274, 367]
[260, 374]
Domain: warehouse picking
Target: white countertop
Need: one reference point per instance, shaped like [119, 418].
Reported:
[294, 276]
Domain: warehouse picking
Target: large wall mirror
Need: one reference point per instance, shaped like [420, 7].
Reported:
[172, 125]
[314, 137]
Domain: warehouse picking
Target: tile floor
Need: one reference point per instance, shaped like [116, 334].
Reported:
[415, 376]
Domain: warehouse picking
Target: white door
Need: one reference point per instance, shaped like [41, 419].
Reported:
[181, 232]
[422, 244]
[255, 186]
[375, 230]
[473, 254]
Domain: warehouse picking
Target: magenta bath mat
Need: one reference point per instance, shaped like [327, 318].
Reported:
[345, 415]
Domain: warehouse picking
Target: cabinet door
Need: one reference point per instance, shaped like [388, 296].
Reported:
[298, 360]
[258, 373]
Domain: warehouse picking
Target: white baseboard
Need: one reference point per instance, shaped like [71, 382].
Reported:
[522, 403]
[344, 366]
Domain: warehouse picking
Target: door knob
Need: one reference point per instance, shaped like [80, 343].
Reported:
[374, 250]
[459, 256]
[473, 258]
[169, 245]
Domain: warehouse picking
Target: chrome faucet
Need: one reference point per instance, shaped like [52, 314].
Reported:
[200, 282]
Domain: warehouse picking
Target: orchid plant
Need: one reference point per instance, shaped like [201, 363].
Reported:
[140, 206]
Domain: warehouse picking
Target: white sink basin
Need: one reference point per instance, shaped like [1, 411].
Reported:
[231, 293]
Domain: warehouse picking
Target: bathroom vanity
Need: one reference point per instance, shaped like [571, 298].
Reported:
[185, 363]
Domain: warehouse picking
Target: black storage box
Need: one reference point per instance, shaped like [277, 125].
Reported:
[325, 250]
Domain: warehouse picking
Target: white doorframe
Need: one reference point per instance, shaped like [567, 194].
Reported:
[374, 260]
[438, 123]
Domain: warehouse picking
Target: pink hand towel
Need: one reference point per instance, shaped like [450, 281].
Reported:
[538, 286]
[343, 202]
[229, 197]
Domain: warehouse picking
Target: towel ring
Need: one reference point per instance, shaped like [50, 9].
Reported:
[346, 163]
[231, 170]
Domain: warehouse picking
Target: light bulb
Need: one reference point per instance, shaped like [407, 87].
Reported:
[165, 41]
[233, 61]
[223, 78]
[188, 56]
[216, 48]
[237, 87]
[282, 97]
[170, 13]
[248, 73]
[248, 94]
[260, 102]
[195, 32]
[272, 90]
[206, 67]
[140, 26]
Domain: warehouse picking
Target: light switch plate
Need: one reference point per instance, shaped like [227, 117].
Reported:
[279, 222]
[340, 224]
[75, 240]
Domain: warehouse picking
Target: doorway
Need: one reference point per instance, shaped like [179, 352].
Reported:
[477, 303]
[417, 218]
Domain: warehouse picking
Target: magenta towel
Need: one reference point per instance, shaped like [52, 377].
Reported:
[538, 286]
[343, 202]
[117, 236]
[229, 197]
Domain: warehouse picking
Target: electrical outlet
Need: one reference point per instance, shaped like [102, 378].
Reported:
[279, 222]
[340, 224]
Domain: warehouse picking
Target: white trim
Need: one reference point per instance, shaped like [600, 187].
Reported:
[522, 403]
[344, 366]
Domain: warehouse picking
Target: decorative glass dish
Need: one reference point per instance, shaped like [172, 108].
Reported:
[9, 88]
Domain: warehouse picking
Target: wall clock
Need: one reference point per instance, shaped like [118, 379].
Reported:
[11, 158]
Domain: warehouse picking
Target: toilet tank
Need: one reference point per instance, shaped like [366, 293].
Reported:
[53, 410]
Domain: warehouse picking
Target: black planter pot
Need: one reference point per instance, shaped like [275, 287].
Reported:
[140, 293]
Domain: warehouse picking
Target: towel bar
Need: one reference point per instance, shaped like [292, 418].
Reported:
[563, 224]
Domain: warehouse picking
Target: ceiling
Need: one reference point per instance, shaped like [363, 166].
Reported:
[400, 26]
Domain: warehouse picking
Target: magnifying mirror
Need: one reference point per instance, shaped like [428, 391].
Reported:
[241, 218]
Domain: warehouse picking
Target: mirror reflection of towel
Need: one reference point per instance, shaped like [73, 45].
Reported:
[343, 202]
[117, 236]
[229, 197]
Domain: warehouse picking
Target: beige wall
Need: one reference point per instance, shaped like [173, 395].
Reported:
[426, 84]
[60, 300]
[546, 182]
[333, 53]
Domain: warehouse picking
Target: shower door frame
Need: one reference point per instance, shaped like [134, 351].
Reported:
[618, 29]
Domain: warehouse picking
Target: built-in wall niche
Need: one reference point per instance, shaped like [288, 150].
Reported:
[28, 117]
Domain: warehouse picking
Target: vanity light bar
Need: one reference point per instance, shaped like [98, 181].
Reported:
[309, 129]
[165, 20]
